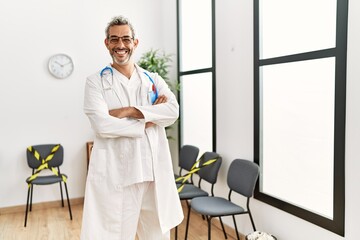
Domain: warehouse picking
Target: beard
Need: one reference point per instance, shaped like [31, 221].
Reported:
[122, 60]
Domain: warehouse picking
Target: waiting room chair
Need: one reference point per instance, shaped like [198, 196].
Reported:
[209, 174]
[46, 157]
[187, 157]
[241, 178]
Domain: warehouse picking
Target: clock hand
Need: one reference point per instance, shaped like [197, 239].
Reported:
[59, 63]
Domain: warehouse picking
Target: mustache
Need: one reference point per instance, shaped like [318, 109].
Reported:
[116, 49]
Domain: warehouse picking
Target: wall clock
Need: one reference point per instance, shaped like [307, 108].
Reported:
[61, 65]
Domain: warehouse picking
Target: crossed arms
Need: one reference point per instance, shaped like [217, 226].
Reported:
[135, 113]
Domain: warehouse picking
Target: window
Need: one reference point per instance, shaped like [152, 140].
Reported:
[196, 59]
[300, 89]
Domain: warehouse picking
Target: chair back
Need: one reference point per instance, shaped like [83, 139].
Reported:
[188, 156]
[242, 176]
[210, 172]
[44, 150]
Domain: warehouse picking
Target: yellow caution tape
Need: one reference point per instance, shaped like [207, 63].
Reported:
[193, 170]
[44, 163]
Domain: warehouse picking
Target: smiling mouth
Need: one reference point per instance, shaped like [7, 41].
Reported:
[120, 51]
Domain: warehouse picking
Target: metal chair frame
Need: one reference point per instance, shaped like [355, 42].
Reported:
[45, 180]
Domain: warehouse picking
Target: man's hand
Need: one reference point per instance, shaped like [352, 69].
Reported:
[149, 124]
[160, 99]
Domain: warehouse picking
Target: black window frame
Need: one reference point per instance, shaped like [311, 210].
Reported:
[212, 70]
[337, 224]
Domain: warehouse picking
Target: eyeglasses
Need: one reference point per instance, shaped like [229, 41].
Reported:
[125, 39]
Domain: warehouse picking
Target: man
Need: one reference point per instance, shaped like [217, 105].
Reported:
[130, 188]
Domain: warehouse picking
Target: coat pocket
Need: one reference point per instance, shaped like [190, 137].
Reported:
[97, 165]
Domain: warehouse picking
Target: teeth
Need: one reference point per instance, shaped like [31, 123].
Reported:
[121, 51]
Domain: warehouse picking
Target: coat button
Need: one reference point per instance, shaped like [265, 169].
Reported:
[118, 187]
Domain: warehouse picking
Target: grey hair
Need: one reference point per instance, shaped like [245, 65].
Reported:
[118, 21]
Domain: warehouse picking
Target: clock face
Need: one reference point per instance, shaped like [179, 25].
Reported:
[61, 65]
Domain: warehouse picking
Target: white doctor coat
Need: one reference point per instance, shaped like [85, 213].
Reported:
[115, 158]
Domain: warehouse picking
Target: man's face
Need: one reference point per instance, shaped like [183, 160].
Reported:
[121, 44]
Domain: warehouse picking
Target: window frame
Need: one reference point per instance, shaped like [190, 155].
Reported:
[211, 69]
[337, 224]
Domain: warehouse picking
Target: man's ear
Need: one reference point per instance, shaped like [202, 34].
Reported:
[106, 42]
[136, 42]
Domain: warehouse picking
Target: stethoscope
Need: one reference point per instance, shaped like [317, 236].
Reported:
[107, 76]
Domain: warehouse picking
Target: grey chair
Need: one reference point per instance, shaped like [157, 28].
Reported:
[45, 158]
[209, 174]
[241, 178]
[187, 157]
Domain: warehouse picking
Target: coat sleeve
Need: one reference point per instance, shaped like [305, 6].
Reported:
[105, 125]
[163, 114]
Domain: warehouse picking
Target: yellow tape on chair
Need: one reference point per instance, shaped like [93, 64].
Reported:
[44, 162]
[193, 170]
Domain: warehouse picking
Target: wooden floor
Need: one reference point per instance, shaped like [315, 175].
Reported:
[54, 224]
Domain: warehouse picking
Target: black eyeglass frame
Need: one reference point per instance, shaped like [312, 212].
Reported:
[124, 39]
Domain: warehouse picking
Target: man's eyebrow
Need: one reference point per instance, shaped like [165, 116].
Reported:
[119, 36]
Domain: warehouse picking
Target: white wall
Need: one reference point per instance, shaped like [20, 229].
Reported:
[234, 26]
[169, 45]
[37, 108]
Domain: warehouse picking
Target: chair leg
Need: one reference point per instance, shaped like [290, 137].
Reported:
[236, 230]
[209, 227]
[27, 206]
[68, 200]
[62, 199]
[223, 228]
[176, 232]
[187, 203]
[187, 220]
[31, 196]
[252, 220]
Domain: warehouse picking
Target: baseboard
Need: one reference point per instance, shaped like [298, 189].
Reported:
[40, 206]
